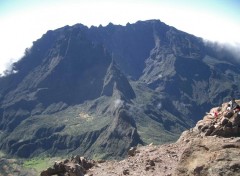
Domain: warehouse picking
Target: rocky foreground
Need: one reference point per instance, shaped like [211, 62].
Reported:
[212, 147]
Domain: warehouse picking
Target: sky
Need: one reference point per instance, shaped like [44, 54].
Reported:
[24, 21]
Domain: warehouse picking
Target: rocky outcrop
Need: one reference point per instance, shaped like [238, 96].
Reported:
[116, 81]
[220, 122]
[209, 155]
[76, 166]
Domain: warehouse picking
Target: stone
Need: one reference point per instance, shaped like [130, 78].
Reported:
[126, 172]
[235, 166]
[209, 130]
[204, 128]
[224, 121]
[132, 151]
[151, 163]
[236, 120]
[147, 167]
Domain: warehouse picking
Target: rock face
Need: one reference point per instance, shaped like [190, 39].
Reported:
[210, 155]
[69, 74]
[99, 91]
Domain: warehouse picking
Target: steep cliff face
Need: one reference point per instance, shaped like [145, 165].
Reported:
[63, 69]
[172, 62]
[86, 90]
[69, 67]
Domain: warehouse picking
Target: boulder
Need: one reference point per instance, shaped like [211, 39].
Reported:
[132, 151]
[224, 121]
[77, 166]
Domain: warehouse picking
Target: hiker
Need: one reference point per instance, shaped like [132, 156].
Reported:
[216, 113]
[228, 108]
[228, 112]
[234, 106]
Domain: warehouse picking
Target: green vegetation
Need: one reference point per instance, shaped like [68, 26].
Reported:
[99, 156]
[1, 154]
[39, 164]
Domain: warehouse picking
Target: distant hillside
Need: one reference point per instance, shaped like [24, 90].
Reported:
[99, 91]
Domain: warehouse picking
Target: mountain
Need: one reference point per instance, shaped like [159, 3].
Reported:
[197, 152]
[99, 91]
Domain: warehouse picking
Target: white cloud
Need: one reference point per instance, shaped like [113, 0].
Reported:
[118, 103]
[159, 105]
[226, 48]
[160, 76]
